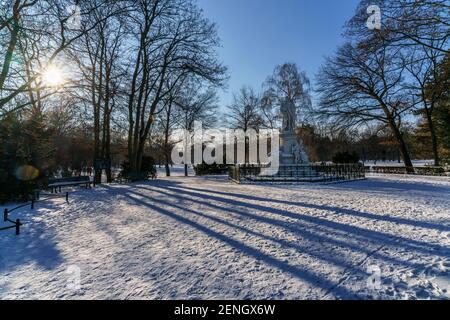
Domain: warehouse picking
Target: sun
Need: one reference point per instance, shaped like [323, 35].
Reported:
[53, 76]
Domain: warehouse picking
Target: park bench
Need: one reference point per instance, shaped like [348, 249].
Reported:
[56, 184]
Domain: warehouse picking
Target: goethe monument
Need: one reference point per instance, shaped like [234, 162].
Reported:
[291, 150]
[207, 146]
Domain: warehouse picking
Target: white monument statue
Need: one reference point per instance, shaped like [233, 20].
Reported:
[292, 151]
[288, 110]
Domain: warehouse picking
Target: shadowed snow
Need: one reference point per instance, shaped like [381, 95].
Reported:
[203, 237]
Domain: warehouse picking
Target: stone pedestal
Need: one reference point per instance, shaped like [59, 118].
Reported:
[291, 150]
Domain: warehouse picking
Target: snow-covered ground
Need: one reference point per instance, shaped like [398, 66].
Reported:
[175, 171]
[203, 237]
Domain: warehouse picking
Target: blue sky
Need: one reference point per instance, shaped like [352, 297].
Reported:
[257, 35]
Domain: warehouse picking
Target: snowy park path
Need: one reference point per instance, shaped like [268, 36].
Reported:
[198, 238]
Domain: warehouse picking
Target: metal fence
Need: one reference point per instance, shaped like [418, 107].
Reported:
[297, 173]
[16, 224]
[425, 171]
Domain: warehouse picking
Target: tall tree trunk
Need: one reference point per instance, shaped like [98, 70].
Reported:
[403, 148]
[11, 46]
[98, 171]
[166, 140]
[97, 143]
[106, 142]
[131, 103]
[434, 142]
[109, 176]
[399, 137]
[167, 163]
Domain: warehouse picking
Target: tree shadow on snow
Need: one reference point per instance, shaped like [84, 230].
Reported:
[366, 242]
[337, 210]
[309, 276]
[355, 231]
[378, 184]
[313, 229]
[34, 244]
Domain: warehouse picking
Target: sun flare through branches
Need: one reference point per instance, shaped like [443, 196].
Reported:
[53, 76]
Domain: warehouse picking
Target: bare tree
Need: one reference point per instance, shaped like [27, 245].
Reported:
[358, 87]
[100, 64]
[286, 82]
[245, 110]
[169, 118]
[422, 65]
[419, 30]
[173, 38]
[195, 104]
[424, 23]
[46, 26]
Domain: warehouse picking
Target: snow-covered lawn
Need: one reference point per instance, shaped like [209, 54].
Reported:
[201, 238]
